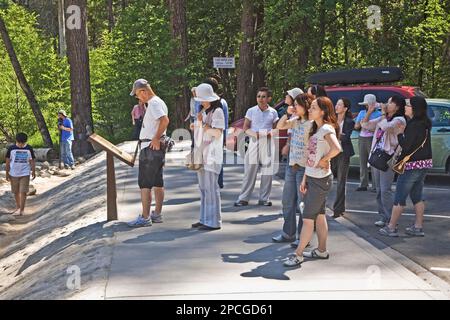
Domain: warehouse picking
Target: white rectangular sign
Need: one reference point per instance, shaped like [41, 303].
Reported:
[224, 63]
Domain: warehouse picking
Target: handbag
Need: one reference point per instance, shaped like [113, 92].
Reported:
[191, 162]
[399, 167]
[379, 158]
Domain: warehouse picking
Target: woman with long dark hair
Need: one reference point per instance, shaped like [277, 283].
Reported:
[416, 143]
[300, 127]
[387, 128]
[209, 141]
[341, 163]
[323, 145]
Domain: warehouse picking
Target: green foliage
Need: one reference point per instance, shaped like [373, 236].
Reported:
[45, 72]
[140, 46]
[296, 39]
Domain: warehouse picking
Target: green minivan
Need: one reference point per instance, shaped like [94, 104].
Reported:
[439, 113]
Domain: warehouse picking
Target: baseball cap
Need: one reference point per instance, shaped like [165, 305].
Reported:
[62, 112]
[139, 84]
[369, 99]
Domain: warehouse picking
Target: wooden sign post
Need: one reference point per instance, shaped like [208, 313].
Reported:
[111, 152]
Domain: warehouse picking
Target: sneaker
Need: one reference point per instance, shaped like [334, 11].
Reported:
[414, 231]
[140, 222]
[380, 224]
[316, 254]
[293, 261]
[361, 189]
[265, 203]
[280, 238]
[386, 231]
[72, 167]
[156, 218]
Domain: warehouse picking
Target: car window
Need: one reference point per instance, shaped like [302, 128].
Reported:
[281, 109]
[353, 95]
[439, 115]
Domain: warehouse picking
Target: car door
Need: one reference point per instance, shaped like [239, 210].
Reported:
[440, 135]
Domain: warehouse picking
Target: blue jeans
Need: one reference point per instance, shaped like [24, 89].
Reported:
[66, 153]
[410, 183]
[290, 201]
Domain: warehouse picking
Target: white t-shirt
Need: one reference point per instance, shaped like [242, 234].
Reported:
[261, 121]
[155, 110]
[299, 142]
[20, 160]
[318, 147]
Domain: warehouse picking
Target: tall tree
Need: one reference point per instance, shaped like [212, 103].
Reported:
[259, 74]
[80, 87]
[111, 18]
[179, 34]
[25, 86]
[245, 95]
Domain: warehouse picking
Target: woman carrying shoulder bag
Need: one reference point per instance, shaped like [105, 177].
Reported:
[416, 144]
[208, 133]
[387, 128]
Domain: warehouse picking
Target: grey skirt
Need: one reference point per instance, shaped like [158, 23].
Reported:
[316, 196]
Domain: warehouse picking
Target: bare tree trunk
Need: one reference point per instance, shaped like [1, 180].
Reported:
[78, 56]
[245, 96]
[111, 18]
[5, 133]
[25, 86]
[259, 74]
[321, 34]
[344, 17]
[179, 34]
[62, 29]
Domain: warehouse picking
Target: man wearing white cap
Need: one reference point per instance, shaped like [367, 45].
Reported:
[365, 141]
[151, 158]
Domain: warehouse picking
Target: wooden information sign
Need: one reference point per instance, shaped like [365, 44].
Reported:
[111, 152]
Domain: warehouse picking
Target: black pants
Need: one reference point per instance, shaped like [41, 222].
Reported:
[340, 165]
[137, 129]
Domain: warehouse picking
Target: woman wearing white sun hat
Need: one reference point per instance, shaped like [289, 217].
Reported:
[208, 132]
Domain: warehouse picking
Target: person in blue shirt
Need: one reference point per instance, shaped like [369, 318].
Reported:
[365, 140]
[65, 126]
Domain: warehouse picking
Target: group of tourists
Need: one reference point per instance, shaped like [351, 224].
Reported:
[319, 149]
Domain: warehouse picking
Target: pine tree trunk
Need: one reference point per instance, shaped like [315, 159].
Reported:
[111, 18]
[179, 34]
[80, 87]
[245, 96]
[259, 74]
[25, 86]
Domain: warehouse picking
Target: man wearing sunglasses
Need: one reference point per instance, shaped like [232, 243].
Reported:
[258, 125]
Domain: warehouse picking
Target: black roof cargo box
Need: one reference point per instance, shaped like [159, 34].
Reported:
[357, 76]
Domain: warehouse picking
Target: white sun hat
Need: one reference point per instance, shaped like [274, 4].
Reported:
[205, 92]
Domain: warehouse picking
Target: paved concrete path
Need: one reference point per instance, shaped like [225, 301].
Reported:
[173, 261]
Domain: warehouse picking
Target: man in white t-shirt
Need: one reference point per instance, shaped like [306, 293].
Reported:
[152, 157]
[259, 122]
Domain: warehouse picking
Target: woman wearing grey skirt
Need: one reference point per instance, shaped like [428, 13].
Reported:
[323, 145]
[208, 139]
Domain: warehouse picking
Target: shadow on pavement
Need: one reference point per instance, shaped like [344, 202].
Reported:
[272, 257]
